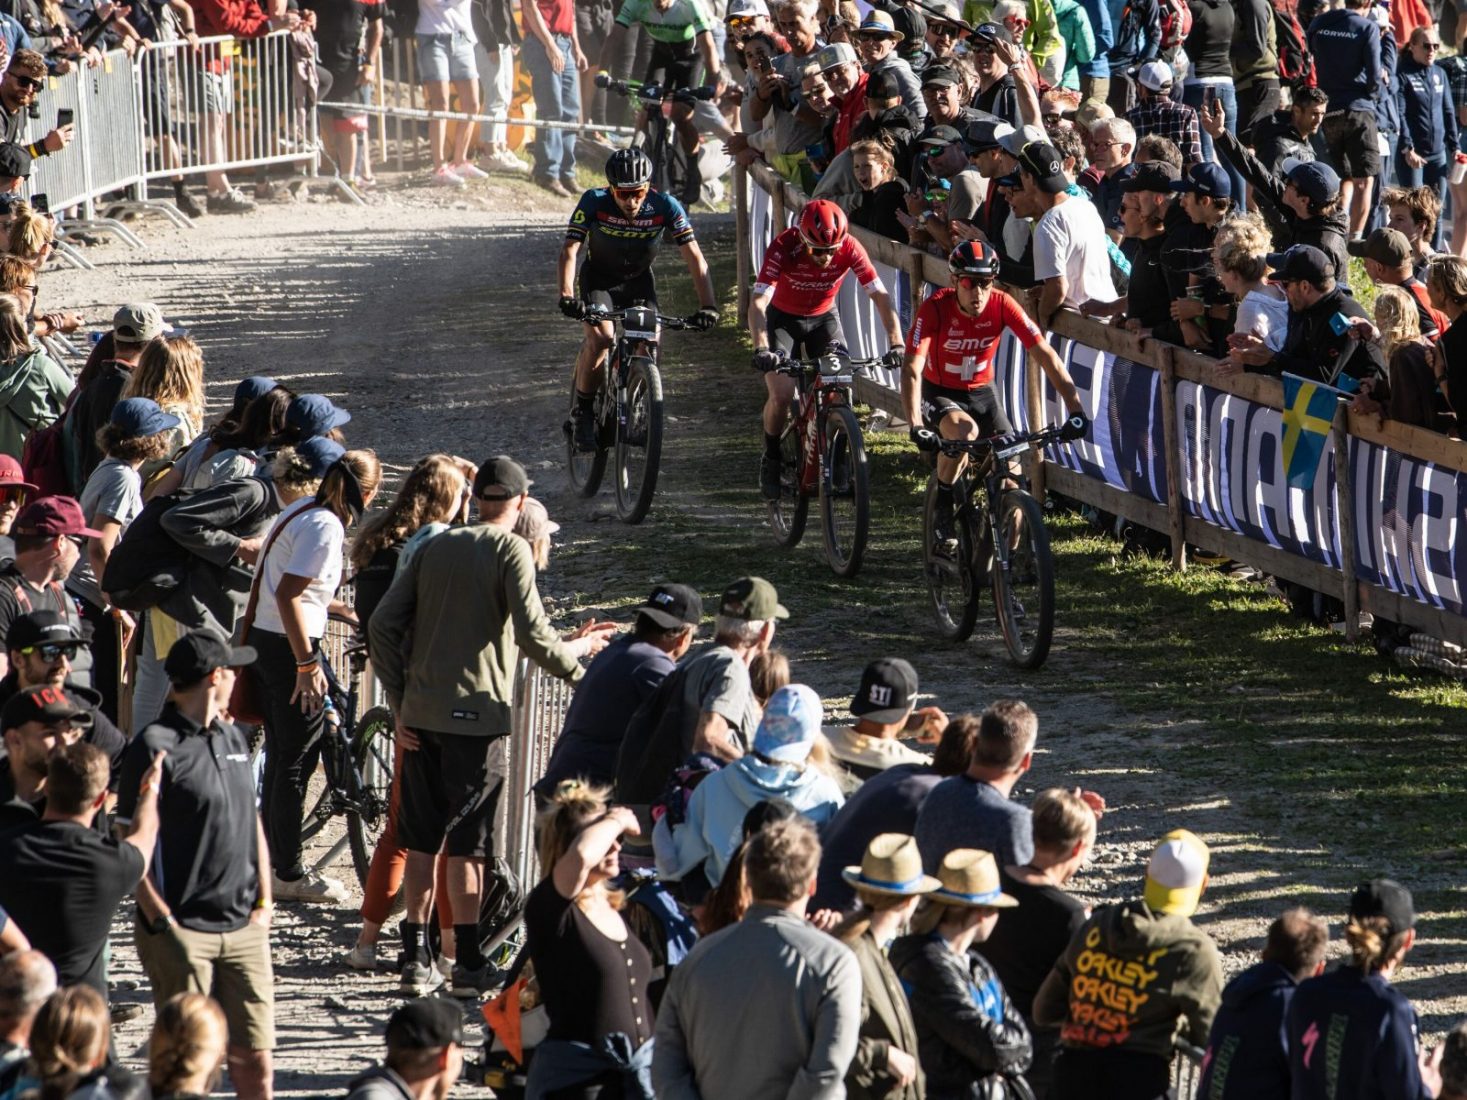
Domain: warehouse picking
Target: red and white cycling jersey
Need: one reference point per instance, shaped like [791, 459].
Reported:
[801, 286]
[959, 348]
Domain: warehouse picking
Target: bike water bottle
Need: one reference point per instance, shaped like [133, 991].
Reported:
[332, 716]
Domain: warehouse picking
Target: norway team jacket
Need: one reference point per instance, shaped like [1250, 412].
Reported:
[446, 638]
[1428, 119]
[1346, 48]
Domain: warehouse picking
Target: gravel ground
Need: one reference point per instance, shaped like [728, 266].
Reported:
[431, 316]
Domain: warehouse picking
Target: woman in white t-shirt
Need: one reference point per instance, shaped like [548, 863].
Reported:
[137, 432]
[1239, 254]
[324, 490]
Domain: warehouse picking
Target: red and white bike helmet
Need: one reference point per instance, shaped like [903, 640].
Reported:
[822, 224]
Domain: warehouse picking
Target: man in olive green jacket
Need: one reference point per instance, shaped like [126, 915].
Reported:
[446, 642]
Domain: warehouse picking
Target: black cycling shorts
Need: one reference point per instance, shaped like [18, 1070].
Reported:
[449, 791]
[671, 66]
[1354, 144]
[615, 291]
[981, 404]
[804, 337]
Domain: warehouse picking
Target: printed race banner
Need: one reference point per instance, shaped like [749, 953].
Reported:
[1409, 520]
[1233, 475]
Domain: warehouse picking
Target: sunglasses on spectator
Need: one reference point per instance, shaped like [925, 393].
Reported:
[975, 282]
[937, 196]
[1431, 47]
[49, 651]
[945, 30]
[28, 82]
[78, 541]
[743, 21]
[983, 46]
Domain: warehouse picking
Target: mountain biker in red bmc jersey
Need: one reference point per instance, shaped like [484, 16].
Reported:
[952, 346]
[792, 312]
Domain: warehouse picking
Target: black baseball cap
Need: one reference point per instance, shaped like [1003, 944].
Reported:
[500, 478]
[888, 691]
[673, 606]
[15, 162]
[1040, 160]
[44, 627]
[1300, 262]
[940, 135]
[883, 85]
[425, 1024]
[199, 653]
[1384, 897]
[1156, 175]
[992, 31]
[986, 133]
[51, 704]
[940, 74]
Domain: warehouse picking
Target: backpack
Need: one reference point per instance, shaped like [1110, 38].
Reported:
[1176, 23]
[43, 459]
[1296, 63]
[147, 566]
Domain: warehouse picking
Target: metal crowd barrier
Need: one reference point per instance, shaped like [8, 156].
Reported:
[1186, 1070]
[540, 703]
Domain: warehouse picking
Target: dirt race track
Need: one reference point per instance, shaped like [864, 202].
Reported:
[432, 317]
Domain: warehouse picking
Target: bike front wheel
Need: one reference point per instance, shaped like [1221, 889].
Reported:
[639, 442]
[951, 580]
[584, 467]
[845, 492]
[787, 514]
[374, 742]
[1023, 579]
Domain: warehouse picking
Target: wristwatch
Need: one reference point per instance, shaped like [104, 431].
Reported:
[162, 924]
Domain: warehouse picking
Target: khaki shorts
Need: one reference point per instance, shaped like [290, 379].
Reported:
[232, 967]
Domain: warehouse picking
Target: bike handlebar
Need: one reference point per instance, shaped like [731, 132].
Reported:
[1004, 446]
[595, 315]
[795, 367]
[654, 91]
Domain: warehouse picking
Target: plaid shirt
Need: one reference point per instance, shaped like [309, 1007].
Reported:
[1456, 69]
[1170, 119]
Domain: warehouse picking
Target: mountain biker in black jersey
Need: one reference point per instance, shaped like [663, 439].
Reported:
[621, 227]
[681, 31]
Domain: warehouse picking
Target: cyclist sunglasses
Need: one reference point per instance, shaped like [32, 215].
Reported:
[49, 651]
[628, 192]
[978, 282]
[822, 251]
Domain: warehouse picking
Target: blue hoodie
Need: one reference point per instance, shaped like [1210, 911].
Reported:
[1353, 1037]
[715, 817]
[1346, 48]
[1248, 1049]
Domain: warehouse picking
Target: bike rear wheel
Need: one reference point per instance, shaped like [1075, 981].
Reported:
[1023, 585]
[639, 442]
[585, 467]
[845, 492]
[788, 514]
[373, 744]
[951, 580]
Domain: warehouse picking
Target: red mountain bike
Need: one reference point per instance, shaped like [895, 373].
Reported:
[822, 452]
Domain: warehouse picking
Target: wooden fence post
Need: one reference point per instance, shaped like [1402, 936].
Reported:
[742, 245]
[776, 202]
[1176, 517]
[1034, 381]
[1345, 511]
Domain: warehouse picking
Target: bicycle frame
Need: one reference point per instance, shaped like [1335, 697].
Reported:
[984, 475]
[819, 387]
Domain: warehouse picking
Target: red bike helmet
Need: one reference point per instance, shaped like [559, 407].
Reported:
[974, 258]
[822, 224]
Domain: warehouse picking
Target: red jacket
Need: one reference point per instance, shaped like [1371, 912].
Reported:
[851, 110]
[241, 18]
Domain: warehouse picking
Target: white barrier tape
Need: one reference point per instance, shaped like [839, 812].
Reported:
[423, 115]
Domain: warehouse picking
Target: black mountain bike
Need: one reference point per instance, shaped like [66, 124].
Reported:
[628, 412]
[822, 453]
[1001, 542]
[674, 170]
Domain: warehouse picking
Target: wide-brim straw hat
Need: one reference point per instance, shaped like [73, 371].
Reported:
[891, 865]
[969, 878]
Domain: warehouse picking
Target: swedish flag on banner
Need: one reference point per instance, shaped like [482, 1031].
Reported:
[1309, 411]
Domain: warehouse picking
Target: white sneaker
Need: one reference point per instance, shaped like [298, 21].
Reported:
[469, 171]
[447, 177]
[310, 887]
[363, 956]
[506, 161]
[419, 979]
[444, 964]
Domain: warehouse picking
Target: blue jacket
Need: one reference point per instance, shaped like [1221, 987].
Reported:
[1248, 1049]
[1425, 106]
[1353, 1037]
[1100, 26]
[1387, 109]
[1137, 34]
[1346, 48]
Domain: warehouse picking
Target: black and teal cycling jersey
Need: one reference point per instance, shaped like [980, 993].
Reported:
[679, 24]
[622, 247]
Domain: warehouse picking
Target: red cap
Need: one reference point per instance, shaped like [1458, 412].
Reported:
[53, 516]
[12, 476]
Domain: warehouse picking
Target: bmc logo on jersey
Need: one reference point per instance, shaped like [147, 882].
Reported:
[967, 346]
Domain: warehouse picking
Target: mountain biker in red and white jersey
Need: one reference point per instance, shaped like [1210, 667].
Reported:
[952, 345]
[792, 312]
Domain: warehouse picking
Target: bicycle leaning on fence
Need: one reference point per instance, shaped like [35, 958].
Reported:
[674, 170]
[1001, 541]
[822, 452]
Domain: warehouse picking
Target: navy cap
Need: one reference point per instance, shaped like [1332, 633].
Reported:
[1300, 262]
[1011, 180]
[313, 414]
[320, 453]
[1156, 175]
[253, 387]
[140, 416]
[1206, 179]
[1314, 180]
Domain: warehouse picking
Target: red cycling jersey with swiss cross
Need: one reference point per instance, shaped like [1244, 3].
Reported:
[959, 348]
[802, 288]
